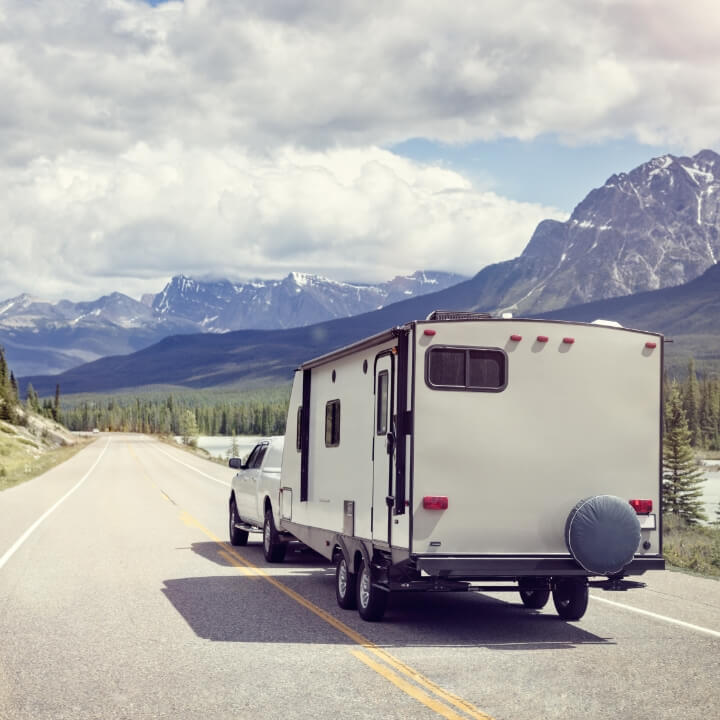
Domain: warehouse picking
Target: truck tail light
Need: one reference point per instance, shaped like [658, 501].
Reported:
[642, 507]
[435, 502]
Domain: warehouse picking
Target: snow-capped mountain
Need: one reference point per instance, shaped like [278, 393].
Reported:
[656, 226]
[297, 300]
[42, 337]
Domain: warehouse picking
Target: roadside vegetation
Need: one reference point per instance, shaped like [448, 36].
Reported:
[31, 439]
[691, 431]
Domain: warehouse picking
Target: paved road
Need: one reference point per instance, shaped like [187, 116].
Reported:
[126, 601]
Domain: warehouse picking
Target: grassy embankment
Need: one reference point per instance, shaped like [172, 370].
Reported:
[695, 548]
[26, 452]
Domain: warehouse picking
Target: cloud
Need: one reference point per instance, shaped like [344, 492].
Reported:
[354, 214]
[213, 134]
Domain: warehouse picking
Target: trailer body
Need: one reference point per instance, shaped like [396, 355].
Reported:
[462, 449]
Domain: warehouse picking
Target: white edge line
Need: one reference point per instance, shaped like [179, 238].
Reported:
[18, 543]
[200, 472]
[665, 618]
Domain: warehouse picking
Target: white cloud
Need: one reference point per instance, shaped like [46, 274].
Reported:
[360, 214]
[215, 134]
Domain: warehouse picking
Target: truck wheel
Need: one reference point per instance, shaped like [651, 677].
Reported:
[533, 597]
[371, 601]
[345, 582]
[570, 597]
[273, 548]
[237, 536]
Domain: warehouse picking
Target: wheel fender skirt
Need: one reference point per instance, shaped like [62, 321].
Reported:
[602, 533]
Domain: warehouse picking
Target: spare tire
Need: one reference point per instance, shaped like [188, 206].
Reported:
[602, 533]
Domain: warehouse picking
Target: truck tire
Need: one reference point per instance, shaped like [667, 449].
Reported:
[570, 596]
[273, 548]
[533, 597]
[371, 601]
[345, 585]
[237, 536]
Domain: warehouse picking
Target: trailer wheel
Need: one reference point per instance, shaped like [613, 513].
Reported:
[533, 597]
[345, 585]
[371, 601]
[237, 536]
[570, 597]
[273, 548]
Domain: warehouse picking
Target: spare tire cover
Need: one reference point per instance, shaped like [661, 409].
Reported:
[602, 533]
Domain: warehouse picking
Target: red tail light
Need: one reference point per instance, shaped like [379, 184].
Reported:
[642, 507]
[435, 502]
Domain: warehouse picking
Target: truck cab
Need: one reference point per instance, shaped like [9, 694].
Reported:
[254, 497]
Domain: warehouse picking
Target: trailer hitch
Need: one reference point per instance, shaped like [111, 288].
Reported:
[616, 584]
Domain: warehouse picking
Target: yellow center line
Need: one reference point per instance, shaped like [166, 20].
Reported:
[414, 692]
[249, 569]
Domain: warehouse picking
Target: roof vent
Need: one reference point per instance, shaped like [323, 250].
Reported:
[457, 315]
[606, 323]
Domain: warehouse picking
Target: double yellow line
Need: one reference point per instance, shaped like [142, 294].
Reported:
[411, 682]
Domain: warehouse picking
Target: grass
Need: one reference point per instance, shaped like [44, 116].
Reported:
[691, 547]
[22, 460]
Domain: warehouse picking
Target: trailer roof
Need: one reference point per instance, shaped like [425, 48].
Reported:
[393, 332]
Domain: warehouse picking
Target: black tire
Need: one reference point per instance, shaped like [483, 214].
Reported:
[237, 536]
[371, 601]
[345, 585]
[273, 548]
[570, 597]
[533, 597]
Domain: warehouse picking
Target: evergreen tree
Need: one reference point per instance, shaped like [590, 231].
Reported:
[682, 480]
[188, 427]
[691, 404]
[56, 405]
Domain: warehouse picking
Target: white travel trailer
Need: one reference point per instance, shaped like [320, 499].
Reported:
[470, 452]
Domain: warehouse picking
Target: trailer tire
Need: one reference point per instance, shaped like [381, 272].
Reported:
[602, 533]
[533, 597]
[345, 584]
[237, 536]
[570, 597]
[371, 601]
[273, 548]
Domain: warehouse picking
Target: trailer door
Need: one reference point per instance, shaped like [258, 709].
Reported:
[384, 435]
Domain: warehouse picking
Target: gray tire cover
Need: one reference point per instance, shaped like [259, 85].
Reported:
[602, 533]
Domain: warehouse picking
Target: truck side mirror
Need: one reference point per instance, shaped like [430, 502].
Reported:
[236, 463]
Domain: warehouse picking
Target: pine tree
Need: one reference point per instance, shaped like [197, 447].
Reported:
[188, 427]
[682, 481]
[691, 404]
[56, 405]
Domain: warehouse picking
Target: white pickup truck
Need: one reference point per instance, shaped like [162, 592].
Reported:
[254, 497]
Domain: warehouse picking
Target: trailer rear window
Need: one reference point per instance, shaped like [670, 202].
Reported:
[332, 423]
[463, 368]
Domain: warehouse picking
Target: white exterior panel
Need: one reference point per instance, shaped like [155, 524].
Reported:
[575, 420]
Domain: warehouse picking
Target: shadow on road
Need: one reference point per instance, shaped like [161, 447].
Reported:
[245, 608]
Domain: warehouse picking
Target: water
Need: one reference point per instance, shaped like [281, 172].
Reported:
[219, 445]
[711, 489]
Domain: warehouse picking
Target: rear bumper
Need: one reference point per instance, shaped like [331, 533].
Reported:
[478, 567]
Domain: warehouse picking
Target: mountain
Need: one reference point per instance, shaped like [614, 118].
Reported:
[657, 226]
[297, 300]
[42, 337]
[689, 314]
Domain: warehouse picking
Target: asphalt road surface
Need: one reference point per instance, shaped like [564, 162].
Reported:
[120, 597]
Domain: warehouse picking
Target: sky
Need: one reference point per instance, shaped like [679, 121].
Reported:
[357, 140]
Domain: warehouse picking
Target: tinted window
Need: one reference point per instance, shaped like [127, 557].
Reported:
[466, 369]
[259, 456]
[298, 435]
[332, 423]
[382, 403]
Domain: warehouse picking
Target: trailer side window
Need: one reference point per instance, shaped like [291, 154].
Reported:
[332, 423]
[382, 403]
[298, 432]
[477, 369]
